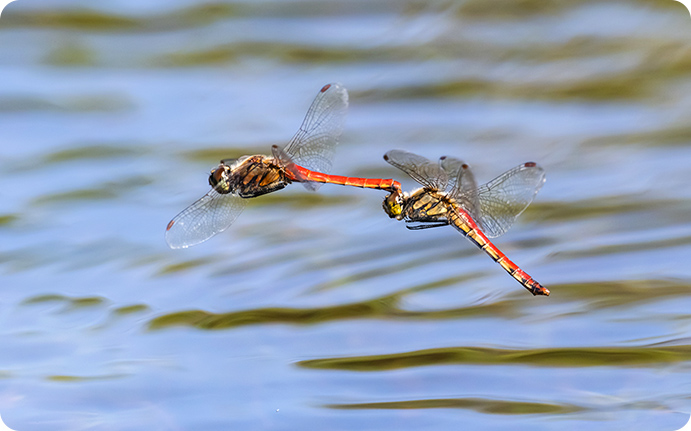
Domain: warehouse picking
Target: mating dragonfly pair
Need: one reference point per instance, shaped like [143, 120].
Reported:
[449, 194]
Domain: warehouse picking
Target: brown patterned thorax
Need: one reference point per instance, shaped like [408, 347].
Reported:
[425, 205]
[249, 177]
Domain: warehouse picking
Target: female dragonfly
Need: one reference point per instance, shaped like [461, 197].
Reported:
[449, 196]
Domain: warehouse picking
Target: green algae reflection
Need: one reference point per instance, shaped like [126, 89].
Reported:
[480, 405]
[644, 356]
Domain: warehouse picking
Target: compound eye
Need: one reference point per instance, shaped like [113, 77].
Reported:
[216, 176]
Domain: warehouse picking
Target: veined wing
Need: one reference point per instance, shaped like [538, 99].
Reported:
[286, 161]
[504, 198]
[462, 186]
[422, 170]
[314, 145]
[211, 214]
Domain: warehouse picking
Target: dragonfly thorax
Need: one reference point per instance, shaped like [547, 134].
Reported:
[257, 175]
[249, 177]
[425, 205]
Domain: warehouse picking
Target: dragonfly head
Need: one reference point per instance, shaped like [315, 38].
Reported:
[219, 179]
[393, 204]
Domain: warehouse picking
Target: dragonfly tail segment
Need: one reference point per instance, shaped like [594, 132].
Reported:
[301, 174]
[465, 224]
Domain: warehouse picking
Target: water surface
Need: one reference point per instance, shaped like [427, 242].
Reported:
[316, 311]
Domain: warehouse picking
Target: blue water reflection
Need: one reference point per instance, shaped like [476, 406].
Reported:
[315, 311]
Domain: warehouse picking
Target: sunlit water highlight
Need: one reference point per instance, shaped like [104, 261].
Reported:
[315, 311]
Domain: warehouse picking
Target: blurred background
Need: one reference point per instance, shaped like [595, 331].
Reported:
[315, 310]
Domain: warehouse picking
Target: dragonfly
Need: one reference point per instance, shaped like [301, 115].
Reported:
[449, 196]
[305, 159]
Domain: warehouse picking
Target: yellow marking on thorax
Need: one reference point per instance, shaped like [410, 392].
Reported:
[251, 176]
[439, 209]
[421, 202]
[271, 175]
[430, 203]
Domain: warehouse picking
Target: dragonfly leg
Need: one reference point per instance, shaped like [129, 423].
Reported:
[426, 226]
[253, 192]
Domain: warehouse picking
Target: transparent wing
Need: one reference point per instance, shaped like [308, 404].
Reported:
[425, 172]
[452, 166]
[504, 198]
[287, 162]
[462, 185]
[313, 146]
[211, 214]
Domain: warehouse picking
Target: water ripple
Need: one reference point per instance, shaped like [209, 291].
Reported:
[644, 356]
